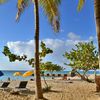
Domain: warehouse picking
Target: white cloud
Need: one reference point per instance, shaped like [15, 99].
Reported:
[73, 36]
[57, 45]
[19, 47]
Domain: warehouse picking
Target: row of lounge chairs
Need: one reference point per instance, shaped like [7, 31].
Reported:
[21, 87]
[58, 75]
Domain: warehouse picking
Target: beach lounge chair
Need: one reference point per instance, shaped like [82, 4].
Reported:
[4, 86]
[59, 75]
[22, 86]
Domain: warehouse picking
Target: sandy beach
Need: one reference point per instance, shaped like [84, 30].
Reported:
[61, 90]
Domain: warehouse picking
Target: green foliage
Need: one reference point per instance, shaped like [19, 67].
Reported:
[13, 57]
[31, 61]
[48, 66]
[6, 51]
[45, 50]
[84, 57]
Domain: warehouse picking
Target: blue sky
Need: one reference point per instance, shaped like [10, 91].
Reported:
[75, 27]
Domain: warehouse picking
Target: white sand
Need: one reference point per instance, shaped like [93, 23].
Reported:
[61, 90]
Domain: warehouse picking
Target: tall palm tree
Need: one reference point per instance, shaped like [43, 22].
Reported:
[97, 19]
[50, 7]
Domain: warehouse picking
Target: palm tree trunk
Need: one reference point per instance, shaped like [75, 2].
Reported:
[97, 15]
[38, 88]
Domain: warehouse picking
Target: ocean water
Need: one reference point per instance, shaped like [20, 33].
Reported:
[66, 72]
[9, 74]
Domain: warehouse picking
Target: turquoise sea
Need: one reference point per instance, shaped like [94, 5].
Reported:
[9, 74]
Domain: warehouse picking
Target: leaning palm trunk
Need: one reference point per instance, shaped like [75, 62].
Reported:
[97, 15]
[38, 89]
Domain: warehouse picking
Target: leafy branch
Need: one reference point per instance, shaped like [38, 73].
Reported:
[13, 57]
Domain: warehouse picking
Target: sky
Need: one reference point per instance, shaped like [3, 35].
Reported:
[19, 37]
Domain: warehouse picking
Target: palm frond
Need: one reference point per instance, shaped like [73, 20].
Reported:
[21, 5]
[50, 8]
[80, 4]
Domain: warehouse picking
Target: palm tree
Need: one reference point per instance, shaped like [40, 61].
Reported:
[97, 18]
[50, 7]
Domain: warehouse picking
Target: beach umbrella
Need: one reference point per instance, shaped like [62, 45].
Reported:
[1, 73]
[28, 73]
[17, 74]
